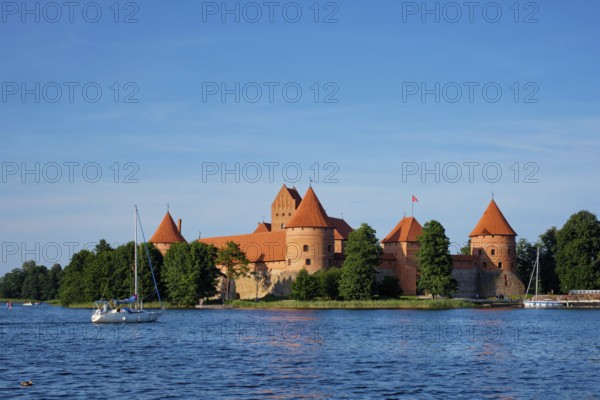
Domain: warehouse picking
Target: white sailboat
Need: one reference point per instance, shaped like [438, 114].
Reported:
[536, 302]
[112, 312]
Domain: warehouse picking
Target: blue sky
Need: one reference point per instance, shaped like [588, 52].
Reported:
[367, 62]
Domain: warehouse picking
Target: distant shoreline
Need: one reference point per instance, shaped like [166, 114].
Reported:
[416, 304]
[411, 303]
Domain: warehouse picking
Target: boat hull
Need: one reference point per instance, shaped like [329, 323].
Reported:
[114, 317]
[542, 304]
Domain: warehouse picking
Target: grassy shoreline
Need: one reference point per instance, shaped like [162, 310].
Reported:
[403, 303]
[415, 304]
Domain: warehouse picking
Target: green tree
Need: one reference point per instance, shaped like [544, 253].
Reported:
[35, 281]
[363, 257]
[11, 284]
[71, 282]
[547, 245]
[234, 261]
[146, 283]
[98, 275]
[189, 272]
[120, 275]
[329, 281]
[434, 261]
[389, 288]
[466, 249]
[305, 286]
[526, 254]
[578, 252]
[53, 282]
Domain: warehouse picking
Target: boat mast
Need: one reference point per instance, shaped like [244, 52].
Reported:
[537, 272]
[135, 263]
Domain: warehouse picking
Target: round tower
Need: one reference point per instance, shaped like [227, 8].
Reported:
[493, 241]
[402, 244]
[310, 239]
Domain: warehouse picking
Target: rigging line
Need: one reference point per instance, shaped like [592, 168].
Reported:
[148, 255]
[107, 281]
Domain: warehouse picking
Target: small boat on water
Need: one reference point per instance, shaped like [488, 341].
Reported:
[28, 304]
[536, 301]
[129, 310]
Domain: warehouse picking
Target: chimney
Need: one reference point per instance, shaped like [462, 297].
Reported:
[179, 225]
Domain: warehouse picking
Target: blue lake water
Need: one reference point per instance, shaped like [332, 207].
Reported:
[282, 354]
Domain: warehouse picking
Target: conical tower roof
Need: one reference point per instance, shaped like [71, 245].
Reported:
[167, 232]
[407, 230]
[492, 222]
[310, 213]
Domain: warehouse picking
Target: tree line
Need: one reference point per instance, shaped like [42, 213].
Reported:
[569, 256]
[31, 281]
[186, 274]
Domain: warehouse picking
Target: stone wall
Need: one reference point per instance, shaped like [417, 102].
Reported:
[467, 280]
[492, 283]
[277, 283]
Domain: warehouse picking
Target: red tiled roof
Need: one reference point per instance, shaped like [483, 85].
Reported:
[263, 227]
[407, 230]
[342, 229]
[259, 247]
[492, 222]
[310, 213]
[167, 232]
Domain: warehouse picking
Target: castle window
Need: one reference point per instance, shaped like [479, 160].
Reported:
[329, 248]
[508, 251]
[479, 251]
[289, 261]
[277, 215]
[484, 264]
[500, 264]
[281, 226]
[305, 247]
[308, 261]
[289, 214]
[493, 252]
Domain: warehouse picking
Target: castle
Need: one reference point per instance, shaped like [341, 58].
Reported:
[302, 235]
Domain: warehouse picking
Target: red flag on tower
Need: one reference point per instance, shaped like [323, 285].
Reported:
[414, 199]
